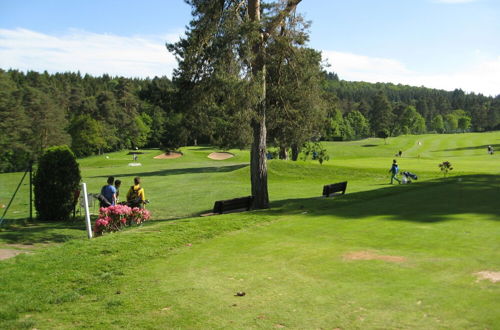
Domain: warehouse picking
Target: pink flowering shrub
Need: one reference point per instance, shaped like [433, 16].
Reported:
[138, 216]
[114, 218]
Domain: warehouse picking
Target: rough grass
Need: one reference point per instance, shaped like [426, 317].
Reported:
[294, 261]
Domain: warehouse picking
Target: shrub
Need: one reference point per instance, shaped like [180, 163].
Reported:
[445, 167]
[55, 183]
[316, 150]
[116, 217]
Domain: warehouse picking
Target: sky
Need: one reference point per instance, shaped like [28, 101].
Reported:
[445, 44]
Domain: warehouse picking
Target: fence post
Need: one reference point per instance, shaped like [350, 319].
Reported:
[31, 191]
[87, 211]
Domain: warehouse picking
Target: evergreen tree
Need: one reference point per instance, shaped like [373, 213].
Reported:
[479, 114]
[228, 40]
[49, 122]
[296, 117]
[55, 182]
[494, 114]
[381, 114]
[15, 152]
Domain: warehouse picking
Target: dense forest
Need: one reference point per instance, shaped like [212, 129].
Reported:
[101, 114]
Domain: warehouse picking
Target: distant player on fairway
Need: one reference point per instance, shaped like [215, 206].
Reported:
[394, 171]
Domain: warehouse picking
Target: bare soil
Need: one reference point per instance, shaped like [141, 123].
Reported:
[488, 275]
[9, 253]
[220, 155]
[171, 155]
[369, 255]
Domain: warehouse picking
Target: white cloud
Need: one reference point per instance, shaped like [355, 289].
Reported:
[146, 56]
[480, 77]
[77, 50]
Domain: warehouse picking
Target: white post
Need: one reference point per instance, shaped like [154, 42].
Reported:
[87, 211]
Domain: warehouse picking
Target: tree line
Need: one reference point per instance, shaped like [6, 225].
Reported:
[92, 115]
[401, 109]
[102, 114]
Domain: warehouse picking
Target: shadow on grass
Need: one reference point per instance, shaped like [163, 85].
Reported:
[369, 145]
[495, 147]
[24, 232]
[178, 171]
[431, 201]
[198, 148]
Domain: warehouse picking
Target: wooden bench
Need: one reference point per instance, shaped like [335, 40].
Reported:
[334, 189]
[233, 205]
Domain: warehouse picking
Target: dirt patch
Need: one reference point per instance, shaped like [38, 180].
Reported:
[488, 275]
[368, 255]
[20, 246]
[28, 246]
[220, 155]
[8, 253]
[171, 155]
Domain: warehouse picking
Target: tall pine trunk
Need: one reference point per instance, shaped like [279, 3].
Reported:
[258, 164]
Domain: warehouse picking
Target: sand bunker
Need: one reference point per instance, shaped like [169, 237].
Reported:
[220, 155]
[171, 155]
[488, 275]
[367, 255]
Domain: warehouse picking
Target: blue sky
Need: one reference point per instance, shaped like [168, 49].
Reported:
[444, 44]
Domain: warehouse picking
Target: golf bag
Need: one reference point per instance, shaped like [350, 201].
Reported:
[408, 176]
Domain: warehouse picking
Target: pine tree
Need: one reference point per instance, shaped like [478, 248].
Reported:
[228, 40]
[49, 122]
[381, 113]
[15, 152]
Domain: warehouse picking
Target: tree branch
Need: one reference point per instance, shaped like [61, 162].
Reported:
[278, 19]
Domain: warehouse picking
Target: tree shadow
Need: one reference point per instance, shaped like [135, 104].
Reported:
[495, 146]
[428, 202]
[30, 233]
[178, 171]
[369, 145]
[197, 148]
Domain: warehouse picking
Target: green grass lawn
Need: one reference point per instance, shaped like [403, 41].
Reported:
[381, 256]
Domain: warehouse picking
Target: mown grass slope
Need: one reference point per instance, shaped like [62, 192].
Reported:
[381, 256]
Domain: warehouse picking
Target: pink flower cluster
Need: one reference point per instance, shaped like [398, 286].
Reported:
[114, 218]
[139, 215]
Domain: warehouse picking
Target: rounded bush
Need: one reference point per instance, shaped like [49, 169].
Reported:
[55, 183]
